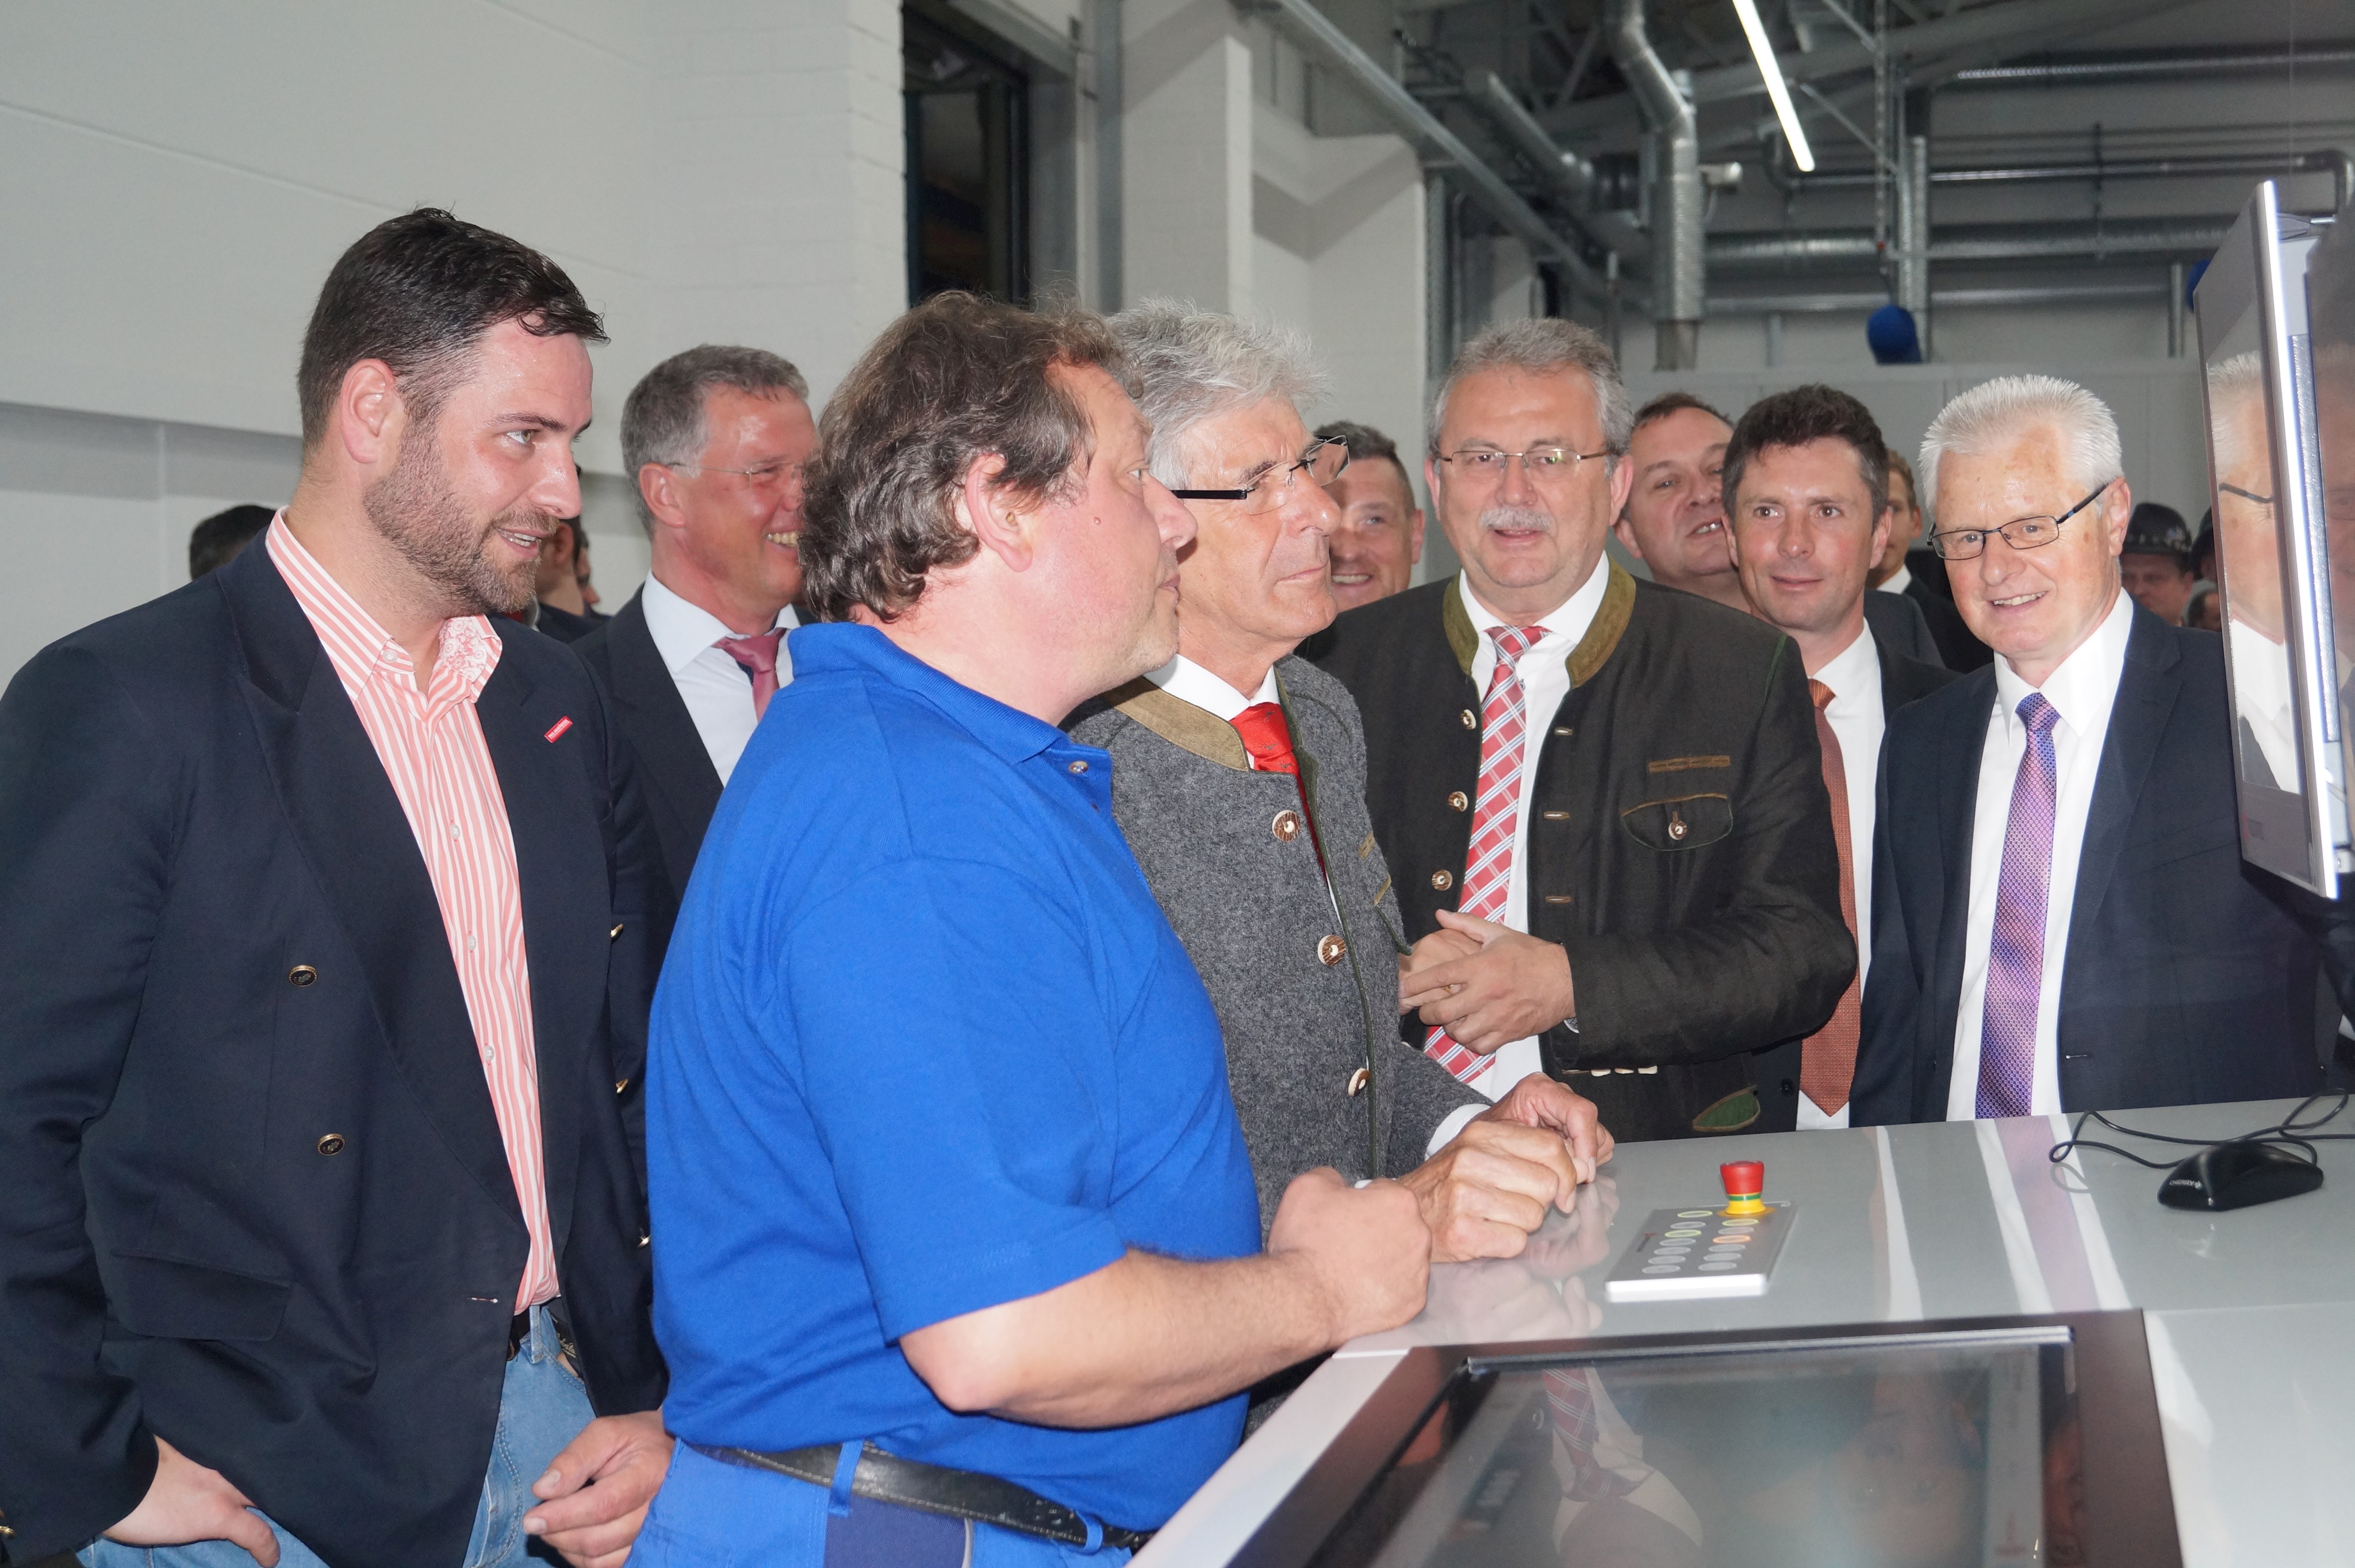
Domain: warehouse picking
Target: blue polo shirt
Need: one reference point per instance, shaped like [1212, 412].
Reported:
[924, 1043]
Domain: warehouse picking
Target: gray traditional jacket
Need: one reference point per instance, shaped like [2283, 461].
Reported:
[1304, 980]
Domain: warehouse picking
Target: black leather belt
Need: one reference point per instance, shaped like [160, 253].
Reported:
[932, 1489]
[518, 1333]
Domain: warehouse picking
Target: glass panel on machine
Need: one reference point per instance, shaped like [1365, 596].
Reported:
[2248, 539]
[1961, 1452]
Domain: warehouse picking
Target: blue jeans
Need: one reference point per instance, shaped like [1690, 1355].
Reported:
[712, 1514]
[542, 1407]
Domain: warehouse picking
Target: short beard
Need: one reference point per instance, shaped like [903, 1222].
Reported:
[1535, 519]
[419, 514]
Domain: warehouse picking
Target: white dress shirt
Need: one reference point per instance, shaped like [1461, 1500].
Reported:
[2261, 700]
[1182, 678]
[2082, 691]
[1545, 681]
[1899, 581]
[718, 690]
[1856, 719]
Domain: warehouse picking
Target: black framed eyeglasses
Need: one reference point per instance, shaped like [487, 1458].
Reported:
[1323, 462]
[1484, 464]
[2021, 533]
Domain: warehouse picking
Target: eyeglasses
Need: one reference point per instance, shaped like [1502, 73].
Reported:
[1323, 463]
[1483, 465]
[776, 476]
[2021, 533]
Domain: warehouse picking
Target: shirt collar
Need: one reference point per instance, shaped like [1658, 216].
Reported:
[360, 649]
[1568, 621]
[682, 629]
[1854, 672]
[2087, 683]
[1010, 734]
[1900, 580]
[1182, 678]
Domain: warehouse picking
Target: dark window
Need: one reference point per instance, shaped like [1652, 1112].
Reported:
[967, 111]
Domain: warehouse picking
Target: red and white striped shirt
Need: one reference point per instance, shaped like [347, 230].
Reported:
[431, 743]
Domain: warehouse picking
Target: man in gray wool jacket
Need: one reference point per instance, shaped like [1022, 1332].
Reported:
[1238, 778]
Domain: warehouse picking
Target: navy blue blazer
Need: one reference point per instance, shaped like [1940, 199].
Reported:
[257, 1202]
[2191, 975]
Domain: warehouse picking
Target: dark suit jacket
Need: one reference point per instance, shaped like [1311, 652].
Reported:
[1682, 853]
[564, 625]
[1958, 649]
[1898, 622]
[1319, 1071]
[1905, 681]
[2188, 978]
[257, 1200]
[674, 770]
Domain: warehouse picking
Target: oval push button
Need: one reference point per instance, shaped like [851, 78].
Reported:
[1287, 825]
[1443, 880]
[332, 1143]
[1357, 1082]
[1330, 950]
[301, 975]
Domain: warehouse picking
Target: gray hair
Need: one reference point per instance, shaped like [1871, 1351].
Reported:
[664, 420]
[1188, 365]
[1994, 413]
[2235, 387]
[1540, 347]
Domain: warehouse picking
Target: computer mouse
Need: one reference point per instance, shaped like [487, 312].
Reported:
[2236, 1175]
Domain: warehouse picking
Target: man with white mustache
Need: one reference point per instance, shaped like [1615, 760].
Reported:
[1643, 900]
[715, 440]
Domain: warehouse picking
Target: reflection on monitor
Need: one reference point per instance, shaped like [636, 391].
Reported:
[2331, 316]
[1953, 1454]
[2248, 543]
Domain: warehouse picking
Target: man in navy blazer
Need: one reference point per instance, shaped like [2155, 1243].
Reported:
[284, 1160]
[2062, 918]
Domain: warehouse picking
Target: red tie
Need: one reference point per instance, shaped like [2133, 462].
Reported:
[758, 654]
[1828, 1060]
[1267, 736]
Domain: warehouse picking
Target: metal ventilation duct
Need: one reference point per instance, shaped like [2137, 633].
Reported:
[1679, 278]
[1978, 242]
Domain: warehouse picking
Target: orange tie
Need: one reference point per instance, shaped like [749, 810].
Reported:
[1828, 1060]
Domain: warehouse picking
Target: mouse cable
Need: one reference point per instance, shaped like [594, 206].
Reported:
[2296, 1130]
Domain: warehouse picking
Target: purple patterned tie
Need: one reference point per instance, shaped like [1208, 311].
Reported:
[2015, 977]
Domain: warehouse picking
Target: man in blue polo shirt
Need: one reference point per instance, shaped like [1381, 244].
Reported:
[951, 1204]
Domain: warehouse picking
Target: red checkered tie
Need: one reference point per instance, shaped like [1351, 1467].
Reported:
[1488, 866]
[1570, 1403]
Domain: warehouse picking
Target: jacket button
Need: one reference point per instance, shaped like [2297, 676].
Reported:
[1789, 1087]
[1470, 719]
[1676, 828]
[1287, 826]
[1357, 1082]
[1443, 880]
[1458, 800]
[301, 975]
[332, 1143]
[1330, 950]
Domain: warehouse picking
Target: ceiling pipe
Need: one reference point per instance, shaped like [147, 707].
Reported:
[1678, 202]
[1943, 299]
[2340, 166]
[1980, 242]
[2207, 63]
[1322, 41]
[1572, 176]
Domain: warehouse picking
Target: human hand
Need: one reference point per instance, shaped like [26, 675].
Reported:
[1483, 1193]
[1365, 1249]
[1538, 1101]
[187, 1502]
[595, 1494]
[1440, 947]
[1514, 986]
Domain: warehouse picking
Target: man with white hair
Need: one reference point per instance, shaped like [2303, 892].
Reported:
[2062, 920]
[1604, 798]
[1238, 779]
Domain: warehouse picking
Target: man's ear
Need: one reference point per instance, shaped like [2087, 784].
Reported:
[1881, 530]
[369, 415]
[1623, 483]
[1627, 534]
[2117, 511]
[658, 486]
[1414, 536]
[988, 509]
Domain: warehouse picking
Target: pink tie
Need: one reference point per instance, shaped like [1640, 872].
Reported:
[1488, 867]
[758, 654]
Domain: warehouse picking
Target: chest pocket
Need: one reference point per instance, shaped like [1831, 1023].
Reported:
[1680, 822]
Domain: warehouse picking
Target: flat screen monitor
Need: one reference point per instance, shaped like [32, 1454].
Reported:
[2279, 645]
[1998, 1443]
[2330, 318]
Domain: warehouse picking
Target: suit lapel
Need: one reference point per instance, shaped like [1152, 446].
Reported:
[560, 868]
[681, 784]
[356, 840]
[1961, 747]
[2147, 688]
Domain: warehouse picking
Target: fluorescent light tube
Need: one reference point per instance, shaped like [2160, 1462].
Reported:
[1776, 88]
